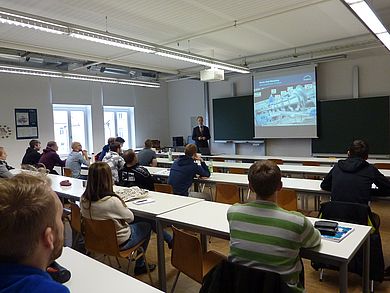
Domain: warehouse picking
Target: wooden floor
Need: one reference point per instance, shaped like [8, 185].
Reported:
[312, 283]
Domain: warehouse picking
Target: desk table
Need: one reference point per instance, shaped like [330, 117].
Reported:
[89, 275]
[213, 221]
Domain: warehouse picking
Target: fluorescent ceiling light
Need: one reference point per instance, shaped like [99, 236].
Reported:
[385, 39]
[111, 40]
[364, 11]
[201, 60]
[33, 23]
[57, 74]
[51, 26]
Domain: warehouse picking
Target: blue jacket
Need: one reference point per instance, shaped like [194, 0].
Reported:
[20, 278]
[105, 150]
[183, 171]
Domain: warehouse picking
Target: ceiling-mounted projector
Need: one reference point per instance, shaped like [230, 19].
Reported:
[212, 74]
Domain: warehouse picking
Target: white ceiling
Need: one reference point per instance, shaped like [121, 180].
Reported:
[223, 29]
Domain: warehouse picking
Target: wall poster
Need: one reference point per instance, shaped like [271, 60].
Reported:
[26, 122]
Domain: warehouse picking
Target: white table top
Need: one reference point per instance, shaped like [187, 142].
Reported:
[213, 220]
[89, 275]
[320, 170]
[298, 184]
[322, 160]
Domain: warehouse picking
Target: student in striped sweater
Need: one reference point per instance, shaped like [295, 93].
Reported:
[265, 236]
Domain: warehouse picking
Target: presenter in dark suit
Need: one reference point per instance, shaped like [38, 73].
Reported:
[201, 135]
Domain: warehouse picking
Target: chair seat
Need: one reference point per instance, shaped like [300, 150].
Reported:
[210, 258]
[126, 253]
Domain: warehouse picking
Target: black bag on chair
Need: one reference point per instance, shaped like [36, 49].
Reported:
[357, 214]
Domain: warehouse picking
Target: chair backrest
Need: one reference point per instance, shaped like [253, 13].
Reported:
[237, 171]
[311, 163]
[227, 193]
[166, 188]
[228, 277]
[382, 166]
[187, 254]
[277, 161]
[287, 199]
[67, 172]
[75, 217]
[349, 212]
[100, 236]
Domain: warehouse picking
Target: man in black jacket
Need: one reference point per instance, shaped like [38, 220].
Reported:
[201, 135]
[32, 155]
[351, 180]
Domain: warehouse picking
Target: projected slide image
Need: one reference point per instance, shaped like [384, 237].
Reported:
[288, 100]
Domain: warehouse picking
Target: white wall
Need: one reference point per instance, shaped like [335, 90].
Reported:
[151, 108]
[186, 100]
[334, 82]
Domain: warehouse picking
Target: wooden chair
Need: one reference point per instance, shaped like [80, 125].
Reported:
[166, 188]
[287, 199]
[67, 172]
[277, 161]
[187, 257]
[100, 237]
[311, 163]
[385, 166]
[75, 223]
[237, 171]
[227, 193]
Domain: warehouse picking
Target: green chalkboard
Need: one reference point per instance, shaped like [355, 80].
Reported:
[342, 121]
[233, 118]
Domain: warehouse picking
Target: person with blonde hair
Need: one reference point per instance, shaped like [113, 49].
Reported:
[32, 234]
[99, 202]
[76, 158]
[4, 167]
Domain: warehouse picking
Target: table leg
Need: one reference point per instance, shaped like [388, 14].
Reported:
[161, 257]
[366, 265]
[343, 277]
[203, 242]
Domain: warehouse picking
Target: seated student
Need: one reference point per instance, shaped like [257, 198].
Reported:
[147, 157]
[99, 202]
[114, 160]
[4, 167]
[265, 236]
[50, 158]
[132, 174]
[184, 169]
[350, 180]
[106, 148]
[31, 232]
[76, 158]
[32, 155]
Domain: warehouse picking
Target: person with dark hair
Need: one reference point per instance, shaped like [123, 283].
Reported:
[351, 180]
[50, 158]
[106, 148]
[132, 174]
[32, 155]
[265, 236]
[99, 202]
[184, 169]
[32, 234]
[201, 135]
[4, 167]
[147, 156]
[114, 160]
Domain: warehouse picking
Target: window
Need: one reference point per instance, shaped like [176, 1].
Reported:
[71, 123]
[119, 121]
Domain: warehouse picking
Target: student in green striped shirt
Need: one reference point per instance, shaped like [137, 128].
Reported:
[265, 236]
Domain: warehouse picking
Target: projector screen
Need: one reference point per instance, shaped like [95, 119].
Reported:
[285, 103]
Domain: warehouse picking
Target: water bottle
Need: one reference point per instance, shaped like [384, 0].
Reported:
[92, 158]
[211, 167]
[170, 155]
